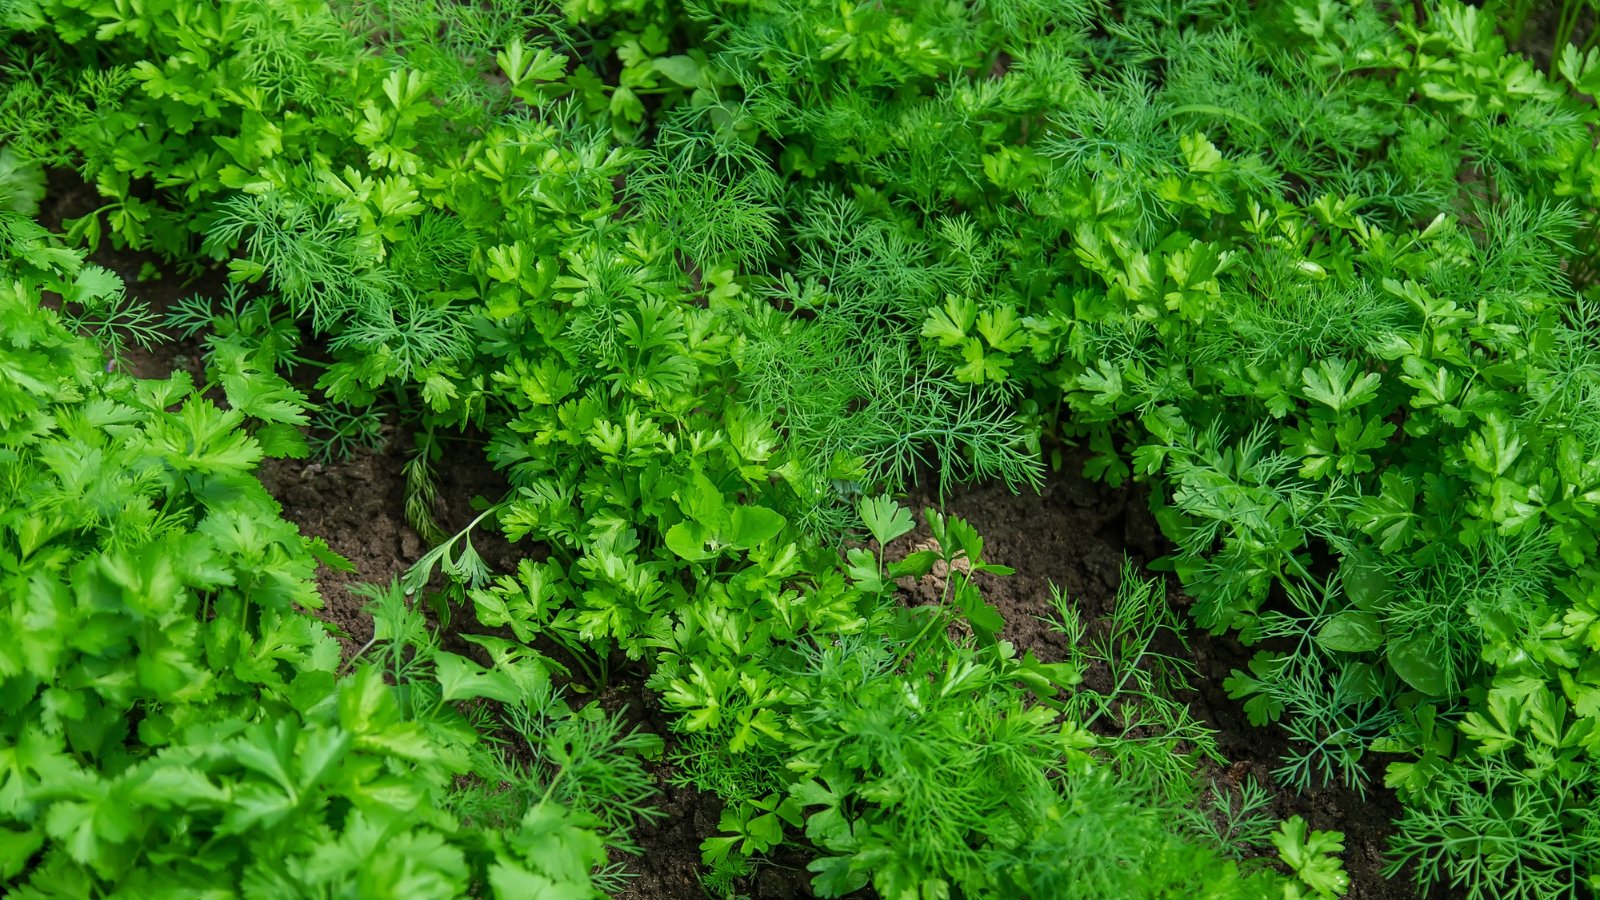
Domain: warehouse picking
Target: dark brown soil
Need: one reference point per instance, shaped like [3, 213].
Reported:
[358, 507]
[1073, 535]
[66, 197]
[670, 863]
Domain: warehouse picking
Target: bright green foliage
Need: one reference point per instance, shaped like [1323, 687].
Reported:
[1099, 843]
[1161, 740]
[929, 764]
[1335, 316]
[708, 274]
[172, 724]
[911, 783]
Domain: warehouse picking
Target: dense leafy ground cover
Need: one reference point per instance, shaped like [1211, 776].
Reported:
[710, 284]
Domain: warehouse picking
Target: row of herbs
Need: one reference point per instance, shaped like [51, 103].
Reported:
[710, 275]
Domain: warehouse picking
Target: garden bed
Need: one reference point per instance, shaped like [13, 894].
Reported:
[657, 315]
[1073, 535]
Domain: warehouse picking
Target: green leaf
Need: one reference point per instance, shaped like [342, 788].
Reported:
[1331, 383]
[256, 393]
[688, 540]
[985, 619]
[701, 501]
[203, 438]
[1200, 154]
[979, 367]
[87, 828]
[1354, 631]
[1261, 706]
[754, 525]
[463, 679]
[885, 518]
[681, 69]
[1496, 447]
[1390, 516]
[914, 565]
[960, 538]
[716, 848]
[324, 554]
[836, 877]
[1417, 662]
[950, 324]
[1313, 857]
[510, 880]
[16, 848]
[1364, 583]
[1002, 329]
[93, 283]
[626, 105]
[827, 827]
[519, 65]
